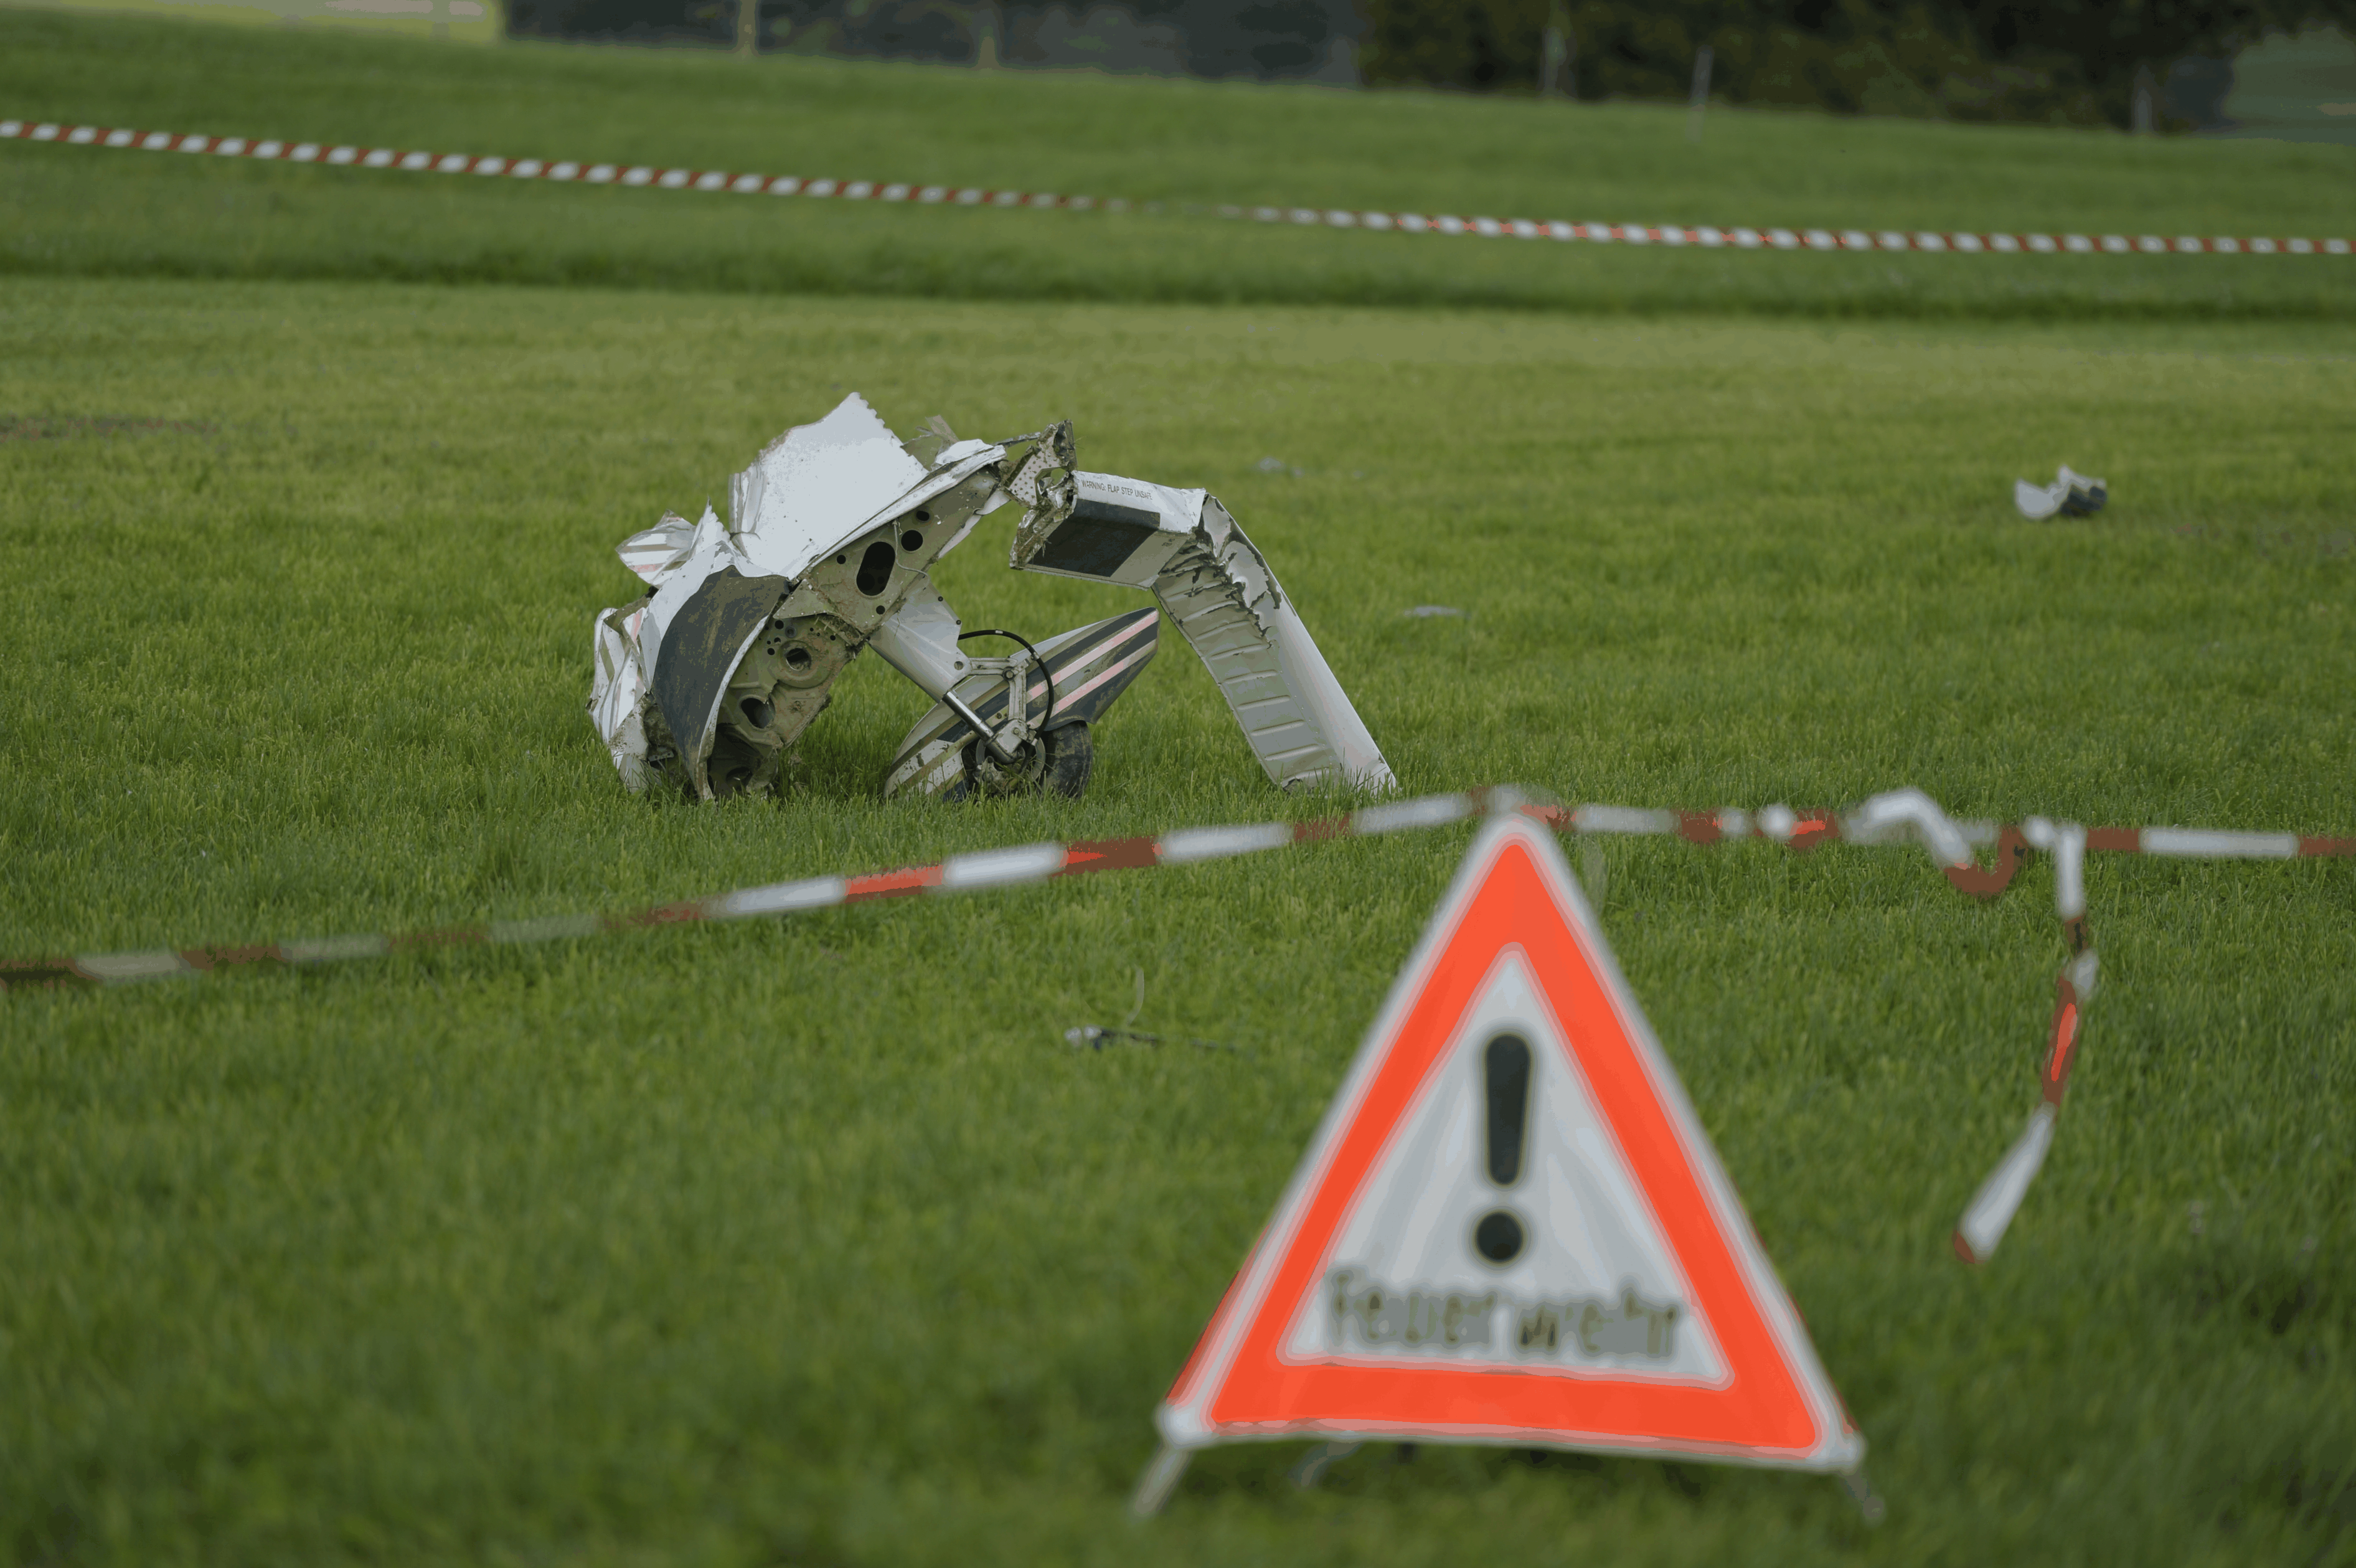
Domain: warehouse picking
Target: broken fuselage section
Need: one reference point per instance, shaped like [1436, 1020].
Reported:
[707, 680]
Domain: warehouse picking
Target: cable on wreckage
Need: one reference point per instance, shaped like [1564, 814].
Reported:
[1044, 674]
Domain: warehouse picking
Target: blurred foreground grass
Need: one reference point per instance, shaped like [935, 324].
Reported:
[812, 1241]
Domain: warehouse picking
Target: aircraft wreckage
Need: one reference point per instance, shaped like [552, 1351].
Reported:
[735, 647]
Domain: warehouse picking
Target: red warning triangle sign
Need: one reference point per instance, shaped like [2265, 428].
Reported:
[1511, 1228]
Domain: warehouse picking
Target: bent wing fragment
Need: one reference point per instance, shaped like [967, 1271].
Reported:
[1217, 587]
[1228, 605]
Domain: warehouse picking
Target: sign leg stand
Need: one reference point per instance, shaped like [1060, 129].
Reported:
[1869, 1502]
[1161, 1478]
[1320, 1459]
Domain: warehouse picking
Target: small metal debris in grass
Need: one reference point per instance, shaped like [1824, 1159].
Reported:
[2069, 495]
[710, 678]
[1279, 465]
[1096, 1037]
[1426, 612]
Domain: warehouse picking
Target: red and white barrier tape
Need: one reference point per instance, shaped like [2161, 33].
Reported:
[662, 178]
[982, 870]
[1898, 816]
[1902, 816]
[1990, 1213]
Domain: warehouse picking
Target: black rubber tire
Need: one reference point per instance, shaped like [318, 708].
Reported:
[1069, 757]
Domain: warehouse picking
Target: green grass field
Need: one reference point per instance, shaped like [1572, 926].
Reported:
[79, 211]
[812, 1241]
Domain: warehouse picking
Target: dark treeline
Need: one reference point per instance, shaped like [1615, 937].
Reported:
[2141, 64]
[1263, 39]
[2146, 64]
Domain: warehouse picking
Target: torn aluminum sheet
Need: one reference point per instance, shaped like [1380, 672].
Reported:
[734, 648]
[2070, 494]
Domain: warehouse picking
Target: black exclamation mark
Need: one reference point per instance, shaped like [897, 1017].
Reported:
[1506, 1074]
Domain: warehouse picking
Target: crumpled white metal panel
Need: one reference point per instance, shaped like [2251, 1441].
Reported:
[654, 554]
[617, 694]
[1179, 510]
[626, 642]
[2071, 494]
[711, 554]
[816, 483]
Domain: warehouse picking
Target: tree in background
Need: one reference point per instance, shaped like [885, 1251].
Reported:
[1270, 39]
[2060, 62]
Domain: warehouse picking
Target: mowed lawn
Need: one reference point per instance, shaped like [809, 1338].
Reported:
[1187, 148]
[813, 1241]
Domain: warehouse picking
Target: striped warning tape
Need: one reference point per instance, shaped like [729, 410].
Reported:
[648, 175]
[959, 873]
[1991, 1210]
[1899, 816]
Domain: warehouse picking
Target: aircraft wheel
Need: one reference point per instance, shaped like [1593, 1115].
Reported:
[1058, 763]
